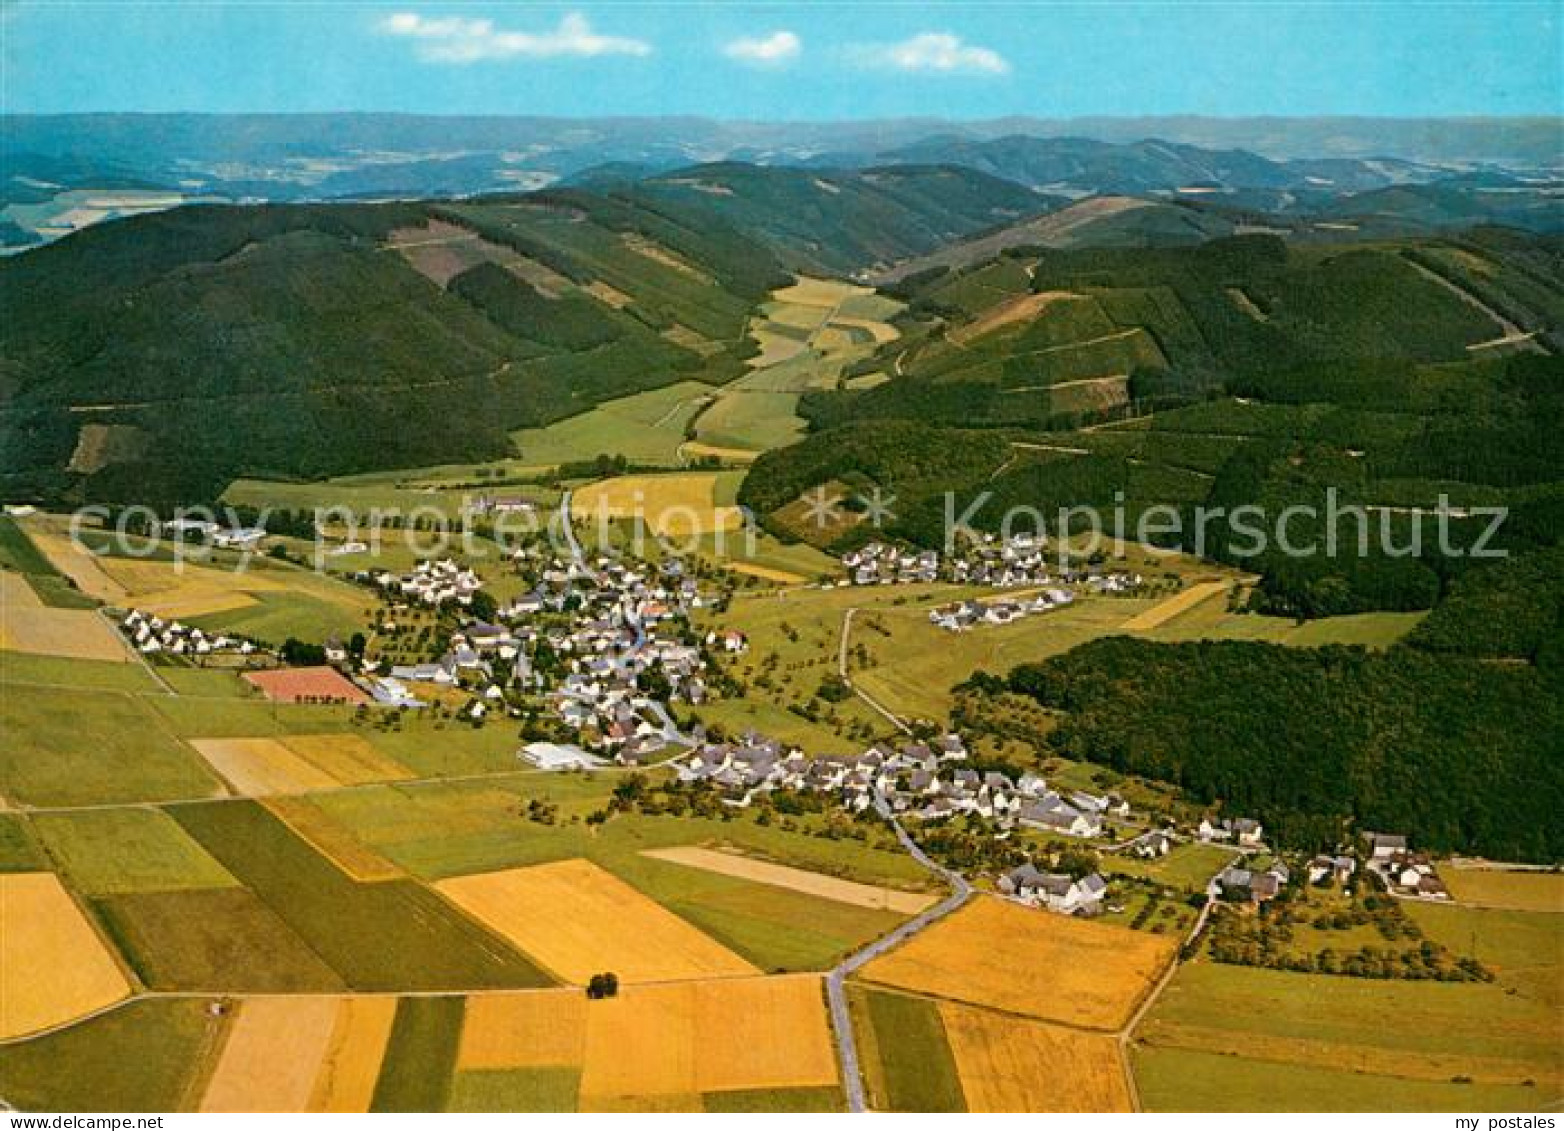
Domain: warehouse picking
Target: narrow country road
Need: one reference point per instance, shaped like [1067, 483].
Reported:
[841, 670]
[836, 980]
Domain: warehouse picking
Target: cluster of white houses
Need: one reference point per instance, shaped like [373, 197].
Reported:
[434, 583]
[151, 634]
[963, 615]
[922, 780]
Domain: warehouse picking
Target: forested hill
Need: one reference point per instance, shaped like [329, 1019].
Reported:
[1454, 737]
[1242, 372]
[156, 358]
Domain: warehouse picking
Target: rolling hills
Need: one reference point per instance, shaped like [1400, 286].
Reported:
[160, 357]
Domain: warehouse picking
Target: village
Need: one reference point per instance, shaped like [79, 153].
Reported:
[595, 656]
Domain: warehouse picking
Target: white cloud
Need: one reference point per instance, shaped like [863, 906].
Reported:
[455, 39]
[938, 52]
[770, 50]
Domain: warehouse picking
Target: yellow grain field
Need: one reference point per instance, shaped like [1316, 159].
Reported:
[15, 593]
[1007, 1064]
[796, 879]
[349, 759]
[261, 767]
[1030, 962]
[333, 841]
[1160, 614]
[540, 1029]
[72, 559]
[273, 1055]
[696, 449]
[827, 293]
[676, 1040]
[27, 625]
[578, 920]
[53, 966]
[346, 1079]
[765, 573]
[677, 505]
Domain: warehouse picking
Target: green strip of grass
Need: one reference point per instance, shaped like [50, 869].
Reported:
[421, 1055]
[18, 851]
[517, 1089]
[774, 1099]
[380, 936]
[916, 1064]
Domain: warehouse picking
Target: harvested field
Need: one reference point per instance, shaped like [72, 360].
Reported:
[796, 879]
[1159, 615]
[1086, 974]
[333, 841]
[74, 560]
[733, 455]
[28, 625]
[16, 594]
[706, 1037]
[349, 759]
[351, 1064]
[681, 504]
[765, 573]
[261, 767]
[309, 685]
[273, 1055]
[180, 589]
[533, 1030]
[577, 920]
[40, 987]
[1010, 1065]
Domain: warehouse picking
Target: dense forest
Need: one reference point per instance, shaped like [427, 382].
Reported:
[1461, 753]
[1455, 736]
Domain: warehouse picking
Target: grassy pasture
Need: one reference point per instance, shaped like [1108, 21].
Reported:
[801, 1100]
[1175, 1079]
[1506, 891]
[385, 936]
[90, 748]
[645, 428]
[17, 668]
[212, 940]
[144, 1056]
[1412, 1037]
[421, 1055]
[543, 1088]
[19, 851]
[907, 1061]
[123, 851]
[1187, 866]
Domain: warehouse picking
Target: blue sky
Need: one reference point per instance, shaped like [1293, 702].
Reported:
[788, 60]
